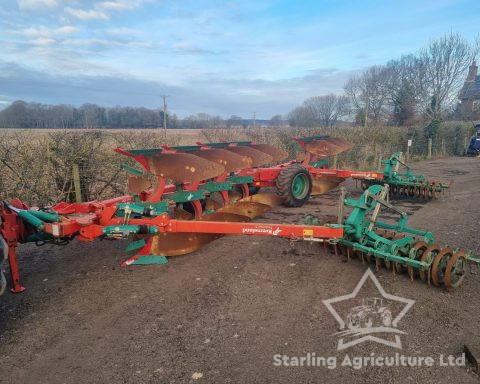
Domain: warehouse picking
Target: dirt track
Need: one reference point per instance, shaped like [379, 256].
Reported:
[226, 310]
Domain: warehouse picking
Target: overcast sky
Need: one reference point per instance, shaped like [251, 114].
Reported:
[218, 57]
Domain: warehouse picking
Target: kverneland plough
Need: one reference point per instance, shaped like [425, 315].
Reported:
[186, 197]
[308, 175]
[405, 184]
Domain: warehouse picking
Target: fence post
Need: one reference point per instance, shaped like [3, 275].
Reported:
[76, 183]
[429, 153]
[444, 148]
[465, 145]
[334, 162]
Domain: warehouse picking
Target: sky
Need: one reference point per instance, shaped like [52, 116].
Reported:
[217, 57]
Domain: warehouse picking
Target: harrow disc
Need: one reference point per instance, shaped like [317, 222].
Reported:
[455, 270]
[427, 256]
[227, 159]
[137, 184]
[184, 167]
[259, 158]
[322, 184]
[276, 153]
[439, 265]
[420, 249]
[176, 243]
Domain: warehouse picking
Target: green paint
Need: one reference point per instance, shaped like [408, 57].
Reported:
[127, 230]
[136, 245]
[300, 185]
[45, 216]
[150, 260]
[186, 196]
[212, 186]
[240, 179]
[132, 170]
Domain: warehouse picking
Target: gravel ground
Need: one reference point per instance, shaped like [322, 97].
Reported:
[221, 314]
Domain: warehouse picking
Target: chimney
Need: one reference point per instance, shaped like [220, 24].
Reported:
[472, 71]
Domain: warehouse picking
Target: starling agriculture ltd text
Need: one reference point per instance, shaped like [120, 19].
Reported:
[359, 362]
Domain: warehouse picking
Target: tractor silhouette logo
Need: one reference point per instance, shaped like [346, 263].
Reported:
[376, 319]
[372, 313]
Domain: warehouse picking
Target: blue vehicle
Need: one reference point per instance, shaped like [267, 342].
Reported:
[474, 146]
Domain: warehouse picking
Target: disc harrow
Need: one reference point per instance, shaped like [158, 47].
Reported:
[406, 184]
[397, 247]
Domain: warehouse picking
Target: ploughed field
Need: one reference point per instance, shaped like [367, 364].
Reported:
[223, 312]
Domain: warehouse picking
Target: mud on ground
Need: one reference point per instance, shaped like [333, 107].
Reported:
[222, 313]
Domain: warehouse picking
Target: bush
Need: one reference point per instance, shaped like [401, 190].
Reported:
[37, 168]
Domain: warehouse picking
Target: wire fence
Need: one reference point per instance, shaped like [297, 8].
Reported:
[48, 167]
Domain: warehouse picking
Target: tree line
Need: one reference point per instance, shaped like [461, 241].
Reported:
[21, 114]
[417, 88]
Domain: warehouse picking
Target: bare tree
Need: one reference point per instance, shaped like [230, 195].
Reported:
[442, 66]
[369, 93]
[327, 110]
[276, 121]
[406, 89]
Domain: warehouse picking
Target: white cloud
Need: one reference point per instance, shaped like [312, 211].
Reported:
[43, 31]
[123, 31]
[120, 5]
[66, 30]
[36, 4]
[43, 41]
[117, 5]
[82, 14]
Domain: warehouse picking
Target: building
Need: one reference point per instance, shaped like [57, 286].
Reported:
[470, 93]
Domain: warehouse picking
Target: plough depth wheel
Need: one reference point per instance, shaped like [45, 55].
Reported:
[294, 185]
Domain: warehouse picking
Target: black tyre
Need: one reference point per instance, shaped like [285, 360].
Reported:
[294, 184]
[253, 190]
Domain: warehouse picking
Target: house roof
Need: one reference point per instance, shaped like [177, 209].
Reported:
[471, 90]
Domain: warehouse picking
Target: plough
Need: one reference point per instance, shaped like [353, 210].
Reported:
[188, 196]
[405, 184]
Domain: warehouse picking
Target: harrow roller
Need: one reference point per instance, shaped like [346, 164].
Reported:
[406, 184]
[405, 247]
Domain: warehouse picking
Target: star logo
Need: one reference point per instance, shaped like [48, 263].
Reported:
[276, 232]
[373, 317]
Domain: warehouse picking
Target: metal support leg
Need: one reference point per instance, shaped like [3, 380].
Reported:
[14, 272]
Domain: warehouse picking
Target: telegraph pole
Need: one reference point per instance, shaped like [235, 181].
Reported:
[254, 120]
[165, 114]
